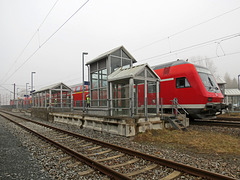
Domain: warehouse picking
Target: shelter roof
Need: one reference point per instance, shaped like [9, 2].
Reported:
[126, 73]
[52, 87]
[232, 92]
[220, 80]
[106, 54]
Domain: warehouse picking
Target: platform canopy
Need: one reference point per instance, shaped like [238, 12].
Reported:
[232, 96]
[56, 95]
[129, 89]
[232, 92]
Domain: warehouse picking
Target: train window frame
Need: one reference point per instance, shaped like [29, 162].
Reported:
[182, 82]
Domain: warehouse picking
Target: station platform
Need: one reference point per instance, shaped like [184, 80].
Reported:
[123, 126]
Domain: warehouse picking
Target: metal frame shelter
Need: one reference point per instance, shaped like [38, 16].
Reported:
[126, 85]
[54, 96]
[99, 69]
[232, 96]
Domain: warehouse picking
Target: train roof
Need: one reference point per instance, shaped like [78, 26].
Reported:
[175, 63]
[169, 64]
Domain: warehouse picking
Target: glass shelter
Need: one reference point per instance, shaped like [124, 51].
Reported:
[100, 68]
[134, 91]
[57, 96]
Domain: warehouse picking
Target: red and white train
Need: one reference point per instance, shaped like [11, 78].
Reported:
[193, 86]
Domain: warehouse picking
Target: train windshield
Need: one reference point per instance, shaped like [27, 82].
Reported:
[208, 80]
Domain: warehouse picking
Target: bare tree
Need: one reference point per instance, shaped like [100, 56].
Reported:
[231, 83]
[204, 61]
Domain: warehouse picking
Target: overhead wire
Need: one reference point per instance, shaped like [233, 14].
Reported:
[41, 45]
[218, 56]
[184, 30]
[36, 32]
[194, 46]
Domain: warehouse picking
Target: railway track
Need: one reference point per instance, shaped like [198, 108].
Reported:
[111, 160]
[224, 122]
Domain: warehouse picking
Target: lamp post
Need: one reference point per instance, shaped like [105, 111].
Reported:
[26, 89]
[32, 81]
[83, 89]
[238, 81]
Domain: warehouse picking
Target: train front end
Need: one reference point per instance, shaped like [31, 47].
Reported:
[212, 95]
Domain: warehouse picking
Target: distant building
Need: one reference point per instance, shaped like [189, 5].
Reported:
[231, 96]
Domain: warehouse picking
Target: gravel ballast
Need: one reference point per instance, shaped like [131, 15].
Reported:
[16, 160]
[226, 164]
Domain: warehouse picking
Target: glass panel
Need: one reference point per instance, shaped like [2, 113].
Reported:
[126, 63]
[187, 83]
[93, 67]
[120, 96]
[117, 53]
[115, 63]
[182, 83]
[125, 55]
[103, 97]
[209, 82]
[94, 102]
[151, 87]
[141, 74]
[94, 78]
[102, 64]
[149, 75]
[78, 89]
[103, 78]
[94, 97]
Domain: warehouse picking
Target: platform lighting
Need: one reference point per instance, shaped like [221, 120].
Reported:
[84, 53]
[238, 81]
[26, 88]
[32, 81]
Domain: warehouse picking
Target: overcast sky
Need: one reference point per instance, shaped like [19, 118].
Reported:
[153, 31]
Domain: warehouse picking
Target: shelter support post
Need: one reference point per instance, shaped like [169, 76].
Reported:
[145, 100]
[50, 98]
[71, 101]
[157, 97]
[45, 99]
[111, 98]
[131, 96]
[61, 95]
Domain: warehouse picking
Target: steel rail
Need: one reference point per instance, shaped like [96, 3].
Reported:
[217, 123]
[177, 166]
[94, 164]
[227, 119]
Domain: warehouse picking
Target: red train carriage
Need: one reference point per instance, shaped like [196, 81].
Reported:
[78, 94]
[194, 87]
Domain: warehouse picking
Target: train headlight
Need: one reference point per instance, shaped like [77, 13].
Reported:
[210, 99]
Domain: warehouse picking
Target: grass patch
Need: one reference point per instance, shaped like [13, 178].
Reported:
[203, 142]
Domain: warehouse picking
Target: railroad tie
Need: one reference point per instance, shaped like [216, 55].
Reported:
[94, 148]
[83, 173]
[126, 163]
[88, 144]
[74, 164]
[64, 159]
[109, 158]
[134, 173]
[99, 153]
[173, 175]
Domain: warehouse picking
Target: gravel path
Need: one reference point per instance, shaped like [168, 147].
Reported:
[228, 165]
[16, 162]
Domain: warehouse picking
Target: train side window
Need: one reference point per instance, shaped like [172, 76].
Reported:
[182, 82]
[78, 89]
